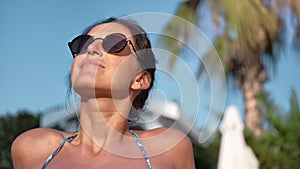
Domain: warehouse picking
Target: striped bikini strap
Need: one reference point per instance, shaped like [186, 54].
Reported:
[73, 136]
[139, 143]
[58, 149]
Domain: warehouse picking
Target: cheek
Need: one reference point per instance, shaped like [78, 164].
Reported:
[74, 64]
[124, 73]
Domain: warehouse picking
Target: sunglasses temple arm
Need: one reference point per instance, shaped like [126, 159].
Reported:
[137, 57]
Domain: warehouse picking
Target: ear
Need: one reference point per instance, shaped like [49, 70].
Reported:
[141, 81]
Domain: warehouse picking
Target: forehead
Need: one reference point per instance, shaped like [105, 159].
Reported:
[108, 28]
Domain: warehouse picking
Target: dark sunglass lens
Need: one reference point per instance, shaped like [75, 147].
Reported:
[114, 43]
[80, 44]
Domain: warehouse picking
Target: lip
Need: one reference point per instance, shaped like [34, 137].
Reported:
[91, 63]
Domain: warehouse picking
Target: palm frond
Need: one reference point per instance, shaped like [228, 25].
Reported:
[179, 29]
[296, 8]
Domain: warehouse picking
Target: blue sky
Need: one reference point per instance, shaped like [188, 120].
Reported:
[34, 36]
[35, 59]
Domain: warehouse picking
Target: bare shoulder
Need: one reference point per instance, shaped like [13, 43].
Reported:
[179, 146]
[33, 145]
[161, 130]
[170, 136]
[183, 141]
[168, 133]
[182, 153]
[37, 137]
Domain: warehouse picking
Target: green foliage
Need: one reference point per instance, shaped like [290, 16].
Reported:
[279, 146]
[10, 127]
[206, 157]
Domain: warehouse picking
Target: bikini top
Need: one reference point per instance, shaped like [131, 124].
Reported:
[70, 138]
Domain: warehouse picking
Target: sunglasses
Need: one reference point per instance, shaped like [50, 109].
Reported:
[112, 43]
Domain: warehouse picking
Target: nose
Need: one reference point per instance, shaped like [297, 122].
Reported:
[94, 49]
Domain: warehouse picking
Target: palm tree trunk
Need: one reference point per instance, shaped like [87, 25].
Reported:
[252, 86]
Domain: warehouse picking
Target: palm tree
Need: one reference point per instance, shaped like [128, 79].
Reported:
[251, 32]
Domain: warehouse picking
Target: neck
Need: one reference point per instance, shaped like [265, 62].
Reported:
[103, 121]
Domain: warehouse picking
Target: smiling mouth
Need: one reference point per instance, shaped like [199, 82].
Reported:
[91, 63]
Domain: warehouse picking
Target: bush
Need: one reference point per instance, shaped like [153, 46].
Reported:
[279, 146]
[10, 127]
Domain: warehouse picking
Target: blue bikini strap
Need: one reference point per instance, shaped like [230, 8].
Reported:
[141, 148]
[70, 138]
[58, 149]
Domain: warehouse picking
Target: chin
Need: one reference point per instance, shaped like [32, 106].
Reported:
[83, 87]
[85, 92]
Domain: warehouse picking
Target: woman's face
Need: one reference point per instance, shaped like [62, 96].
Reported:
[96, 73]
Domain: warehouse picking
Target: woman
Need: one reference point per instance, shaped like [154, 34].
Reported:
[113, 71]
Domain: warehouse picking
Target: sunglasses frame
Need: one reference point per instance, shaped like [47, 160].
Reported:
[94, 39]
